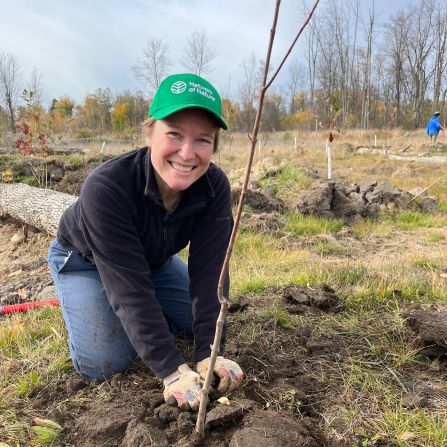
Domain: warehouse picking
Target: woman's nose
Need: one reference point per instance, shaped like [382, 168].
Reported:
[187, 150]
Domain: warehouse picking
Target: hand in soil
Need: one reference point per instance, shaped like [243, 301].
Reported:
[183, 388]
[229, 373]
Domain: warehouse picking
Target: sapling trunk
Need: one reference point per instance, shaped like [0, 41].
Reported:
[200, 425]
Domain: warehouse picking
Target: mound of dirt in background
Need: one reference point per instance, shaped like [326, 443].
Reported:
[62, 174]
[430, 325]
[331, 199]
[259, 201]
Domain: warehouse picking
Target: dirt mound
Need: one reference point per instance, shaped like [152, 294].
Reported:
[332, 199]
[430, 324]
[62, 174]
[259, 201]
[24, 276]
[267, 167]
[264, 429]
[300, 298]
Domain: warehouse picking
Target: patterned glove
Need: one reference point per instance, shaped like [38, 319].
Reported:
[183, 388]
[229, 372]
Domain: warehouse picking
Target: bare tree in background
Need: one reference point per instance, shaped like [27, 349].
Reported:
[9, 86]
[311, 57]
[396, 38]
[440, 53]
[366, 93]
[252, 69]
[296, 82]
[417, 53]
[153, 65]
[35, 86]
[198, 56]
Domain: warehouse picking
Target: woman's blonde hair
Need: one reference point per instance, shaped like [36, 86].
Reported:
[149, 122]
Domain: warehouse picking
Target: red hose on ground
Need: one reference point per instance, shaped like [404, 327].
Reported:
[14, 308]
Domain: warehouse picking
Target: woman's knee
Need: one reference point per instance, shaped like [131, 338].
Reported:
[101, 369]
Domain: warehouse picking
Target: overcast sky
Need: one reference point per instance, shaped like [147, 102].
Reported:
[81, 45]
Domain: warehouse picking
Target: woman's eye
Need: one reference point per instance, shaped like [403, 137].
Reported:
[174, 134]
[204, 141]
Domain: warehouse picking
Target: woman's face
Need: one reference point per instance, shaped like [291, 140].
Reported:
[181, 148]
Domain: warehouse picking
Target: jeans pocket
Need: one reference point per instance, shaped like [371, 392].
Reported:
[62, 260]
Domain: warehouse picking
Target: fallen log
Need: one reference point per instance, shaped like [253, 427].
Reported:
[434, 159]
[41, 208]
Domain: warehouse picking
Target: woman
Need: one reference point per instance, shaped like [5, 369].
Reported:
[122, 286]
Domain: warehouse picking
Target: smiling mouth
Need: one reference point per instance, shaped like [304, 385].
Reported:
[181, 168]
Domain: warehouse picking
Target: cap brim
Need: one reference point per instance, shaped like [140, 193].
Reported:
[166, 111]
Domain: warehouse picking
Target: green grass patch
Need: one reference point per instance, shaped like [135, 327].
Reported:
[326, 247]
[75, 160]
[279, 316]
[34, 353]
[260, 261]
[442, 205]
[367, 227]
[28, 180]
[288, 182]
[427, 264]
[300, 225]
[435, 236]
[407, 220]
[404, 428]
[365, 288]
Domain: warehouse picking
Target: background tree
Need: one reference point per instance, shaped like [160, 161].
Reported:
[366, 89]
[136, 107]
[440, 54]
[61, 112]
[248, 88]
[396, 40]
[152, 67]
[119, 116]
[35, 85]
[10, 85]
[198, 56]
[417, 54]
[295, 84]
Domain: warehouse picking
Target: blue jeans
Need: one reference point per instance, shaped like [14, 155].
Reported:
[99, 346]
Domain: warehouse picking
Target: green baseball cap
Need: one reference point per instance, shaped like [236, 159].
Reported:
[182, 91]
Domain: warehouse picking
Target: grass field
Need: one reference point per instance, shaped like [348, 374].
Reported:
[377, 268]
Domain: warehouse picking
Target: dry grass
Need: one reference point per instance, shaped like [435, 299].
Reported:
[346, 165]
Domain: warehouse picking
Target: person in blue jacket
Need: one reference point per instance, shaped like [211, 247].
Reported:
[434, 126]
[124, 290]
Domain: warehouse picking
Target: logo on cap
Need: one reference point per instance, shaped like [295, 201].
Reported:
[178, 87]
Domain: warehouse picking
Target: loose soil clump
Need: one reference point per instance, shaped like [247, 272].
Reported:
[430, 325]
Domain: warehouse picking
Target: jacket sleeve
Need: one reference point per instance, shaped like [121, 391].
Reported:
[109, 227]
[208, 246]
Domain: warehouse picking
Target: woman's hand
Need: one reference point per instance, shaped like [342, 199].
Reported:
[229, 372]
[183, 388]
